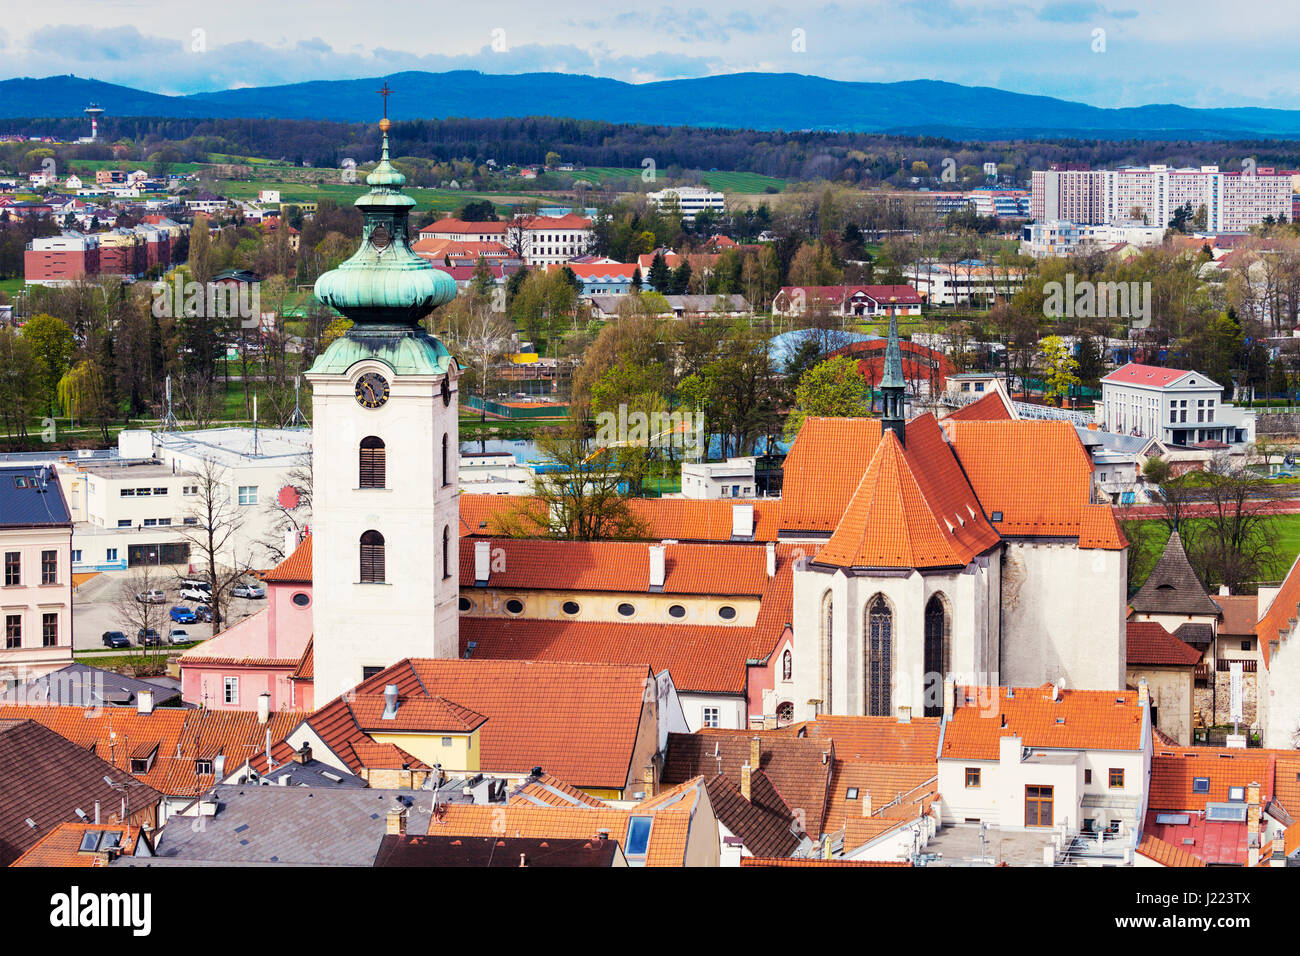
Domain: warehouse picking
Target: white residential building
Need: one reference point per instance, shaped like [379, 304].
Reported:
[1178, 407]
[691, 200]
[733, 478]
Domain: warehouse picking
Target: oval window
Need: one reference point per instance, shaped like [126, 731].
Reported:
[302, 599]
[514, 606]
[727, 612]
[466, 604]
[677, 611]
[627, 610]
[570, 607]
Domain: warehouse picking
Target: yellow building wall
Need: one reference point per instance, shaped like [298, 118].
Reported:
[461, 756]
[603, 606]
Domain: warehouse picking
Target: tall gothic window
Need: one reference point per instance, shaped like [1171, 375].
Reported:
[372, 462]
[880, 657]
[372, 557]
[825, 649]
[446, 474]
[938, 655]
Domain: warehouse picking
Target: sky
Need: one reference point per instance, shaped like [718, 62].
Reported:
[1199, 53]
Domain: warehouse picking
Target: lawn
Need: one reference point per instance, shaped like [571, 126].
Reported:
[730, 182]
[12, 287]
[1286, 543]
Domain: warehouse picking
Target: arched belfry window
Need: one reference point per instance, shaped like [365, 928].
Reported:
[372, 557]
[826, 646]
[879, 657]
[938, 654]
[372, 462]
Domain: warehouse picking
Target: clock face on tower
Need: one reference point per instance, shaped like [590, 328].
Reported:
[371, 390]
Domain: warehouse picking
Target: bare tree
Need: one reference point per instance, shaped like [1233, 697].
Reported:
[138, 617]
[291, 514]
[480, 336]
[518, 236]
[211, 527]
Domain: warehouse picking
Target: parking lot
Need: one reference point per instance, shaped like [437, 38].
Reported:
[95, 610]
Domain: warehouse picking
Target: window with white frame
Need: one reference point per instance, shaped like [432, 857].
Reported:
[248, 494]
[712, 717]
[232, 690]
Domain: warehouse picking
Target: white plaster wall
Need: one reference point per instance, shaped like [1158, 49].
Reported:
[1279, 696]
[419, 606]
[1063, 612]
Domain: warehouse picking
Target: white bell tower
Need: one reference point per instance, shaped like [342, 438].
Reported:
[385, 507]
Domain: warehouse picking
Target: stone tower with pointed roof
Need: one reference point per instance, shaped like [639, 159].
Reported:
[1174, 596]
[384, 402]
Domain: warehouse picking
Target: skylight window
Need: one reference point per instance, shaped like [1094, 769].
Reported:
[996, 516]
[852, 793]
[638, 836]
[1200, 785]
[1237, 793]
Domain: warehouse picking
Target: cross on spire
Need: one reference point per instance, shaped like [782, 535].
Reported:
[385, 93]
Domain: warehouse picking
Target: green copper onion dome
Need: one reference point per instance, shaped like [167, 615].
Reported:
[385, 286]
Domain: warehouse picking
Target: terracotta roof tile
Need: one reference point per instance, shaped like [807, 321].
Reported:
[295, 569]
[756, 861]
[1276, 622]
[553, 791]
[824, 469]
[306, 668]
[990, 408]
[1078, 720]
[62, 846]
[1173, 777]
[1166, 854]
[879, 739]
[1240, 613]
[1151, 645]
[765, 823]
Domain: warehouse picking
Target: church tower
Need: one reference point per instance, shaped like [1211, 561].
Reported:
[892, 382]
[385, 492]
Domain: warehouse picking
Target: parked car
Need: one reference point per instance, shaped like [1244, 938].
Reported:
[115, 639]
[195, 593]
[182, 615]
[178, 635]
[203, 613]
[152, 596]
[248, 591]
[149, 637]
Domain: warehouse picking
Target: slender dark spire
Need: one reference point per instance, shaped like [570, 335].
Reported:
[892, 382]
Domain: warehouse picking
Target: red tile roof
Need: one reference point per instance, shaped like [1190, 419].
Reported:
[884, 740]
[1166, 854]
[295, 569]
[824, 469]
[990, 408]
[579, 721]
[1276, 622]
[912, 509]
[1240, 613]
[1135, 374]
[1078, 720]
[759, 861]
[1151, 645]
[463, 227]
[1037, 475]
[306, 669]
[62, 846]
[1173, 776]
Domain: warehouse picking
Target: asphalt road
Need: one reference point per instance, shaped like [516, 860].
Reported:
[95, 610]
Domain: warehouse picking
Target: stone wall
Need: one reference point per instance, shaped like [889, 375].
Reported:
[1277, 424]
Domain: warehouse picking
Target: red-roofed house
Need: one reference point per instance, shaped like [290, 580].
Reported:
[1176, 406]
[1040, 757]
[848, 300]
[1168, 665]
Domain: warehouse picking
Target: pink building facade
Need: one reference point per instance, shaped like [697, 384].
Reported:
[268, 653]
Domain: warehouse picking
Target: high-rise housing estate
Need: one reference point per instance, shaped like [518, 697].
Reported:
[1233, 200]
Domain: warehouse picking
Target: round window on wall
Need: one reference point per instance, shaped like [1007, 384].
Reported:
[727, 612]
[627, 610]
[570, 607]
[676, 611]
[466, 605]
[515, 606]
[302, 599]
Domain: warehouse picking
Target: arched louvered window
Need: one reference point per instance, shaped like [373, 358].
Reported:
[372, 557]
[372, 462]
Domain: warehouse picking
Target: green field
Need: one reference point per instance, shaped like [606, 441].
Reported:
[730, 182]
[1286, 543]
[11, 287]
[443, 200]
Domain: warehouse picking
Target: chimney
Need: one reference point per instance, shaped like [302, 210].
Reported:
[867, 808]
[1279, 851]
[648, 776]
[144, 702]
[396, 821]
[303, 754]
[771, 559]
[290, 541]
[218, 767]
[658, 556]
[482, 561]
[904, 714]
[746, 785]
[949, 697]
[1144, 693]
[390, 702]
[756, 752]
[263, 707]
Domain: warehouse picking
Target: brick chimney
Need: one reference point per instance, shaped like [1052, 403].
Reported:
[648, 776]
[396, 821]
[1252, 812]
[303, 754]
[756, 752]
[949, 697]
[1279, 851]
[746, 782]
[867, 808]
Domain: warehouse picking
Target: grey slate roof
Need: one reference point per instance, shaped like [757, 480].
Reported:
[288, 825]
[81, 686]
[30, 497]
[1173, 587]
